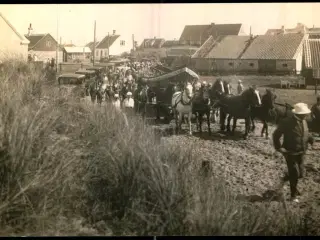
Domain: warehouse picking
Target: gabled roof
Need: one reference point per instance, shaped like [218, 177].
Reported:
[197, 32]
[223, 47]
[90, 45]
[282, 46]
[22, 38]
[152, 43]
[77, 49]
[107, 41]
[36, 38]
[311, 50]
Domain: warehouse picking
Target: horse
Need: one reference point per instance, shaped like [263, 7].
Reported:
[238, 107]
[182, 104]
[218, 88]
[201, 106]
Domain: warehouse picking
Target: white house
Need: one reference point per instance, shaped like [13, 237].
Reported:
[12, 43]
[113, 45]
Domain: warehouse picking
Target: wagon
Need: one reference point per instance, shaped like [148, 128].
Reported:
[97, 69]
[160, 85]
[72, 84]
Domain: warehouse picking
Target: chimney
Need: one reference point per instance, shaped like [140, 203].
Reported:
[283, 29]
[30, 30]
[114, 32]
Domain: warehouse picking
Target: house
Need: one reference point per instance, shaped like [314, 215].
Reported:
[311, 61]
[152, 43]
[11, 42]
[90, 45]
[222, 54]
[171, 43]
[276, 53]
[44, 46]
[113, 45]
[75, 54]
[196, 35]
[314, 33]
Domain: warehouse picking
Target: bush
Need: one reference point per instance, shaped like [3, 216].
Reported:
[69, 168]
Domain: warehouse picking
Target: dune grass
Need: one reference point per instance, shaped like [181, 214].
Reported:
[68, 168]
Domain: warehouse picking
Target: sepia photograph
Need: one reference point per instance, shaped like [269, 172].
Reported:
[163, 119]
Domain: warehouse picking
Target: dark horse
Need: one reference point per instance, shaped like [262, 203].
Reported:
[238, 107]
[269, 112]
[218, 89]
[201, 106]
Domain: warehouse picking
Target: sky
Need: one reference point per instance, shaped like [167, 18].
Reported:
[75, 22]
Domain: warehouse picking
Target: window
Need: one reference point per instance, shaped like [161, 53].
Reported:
[251, 64]
[122, 43]
[231, 64]
[97, 53]
[48, 44]
[101, 53]
[285, 65]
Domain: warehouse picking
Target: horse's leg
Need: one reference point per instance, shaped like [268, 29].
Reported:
[228, 123]
[266, 129]
[253, 124]
[200, 117]
[263, 128]
[180, 122]
[189, 122]
[247, 127]
[222, 120]
[234, 125]
[208, 121]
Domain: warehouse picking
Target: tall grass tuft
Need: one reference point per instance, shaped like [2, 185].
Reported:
[70, 168]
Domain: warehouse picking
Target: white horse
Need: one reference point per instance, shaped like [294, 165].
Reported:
[182, 104]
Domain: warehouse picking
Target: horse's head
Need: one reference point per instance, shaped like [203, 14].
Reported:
[188, 89]
[252, 96]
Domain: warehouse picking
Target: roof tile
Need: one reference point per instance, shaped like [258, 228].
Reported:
[312, 53]
[108, 40]
[273, 47]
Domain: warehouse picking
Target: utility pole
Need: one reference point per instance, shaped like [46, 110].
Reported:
[57, 38]
[133, 43]
[94, 43]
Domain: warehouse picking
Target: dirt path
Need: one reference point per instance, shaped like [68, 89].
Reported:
[251, 167]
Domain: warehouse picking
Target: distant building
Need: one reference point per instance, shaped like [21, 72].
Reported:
[113, 45]
[76, 54]
[313, 33]
[152, 43]
[311, 61]
[196, 35]
[44, 46]
[281, 53]
[222, 54]
[12, 42]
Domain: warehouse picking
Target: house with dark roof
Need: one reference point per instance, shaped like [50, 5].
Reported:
[222, 54]
[196, 35]
[12, 43]
[152, 43]
[313, 33]
[276, 53]
[90, 45]
[43, 46]
[113, 45]
[311, 61]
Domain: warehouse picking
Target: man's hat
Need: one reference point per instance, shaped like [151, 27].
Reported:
[301, 109]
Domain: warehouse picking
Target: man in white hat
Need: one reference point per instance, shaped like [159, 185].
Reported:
[116, 103]
[295, 143]
[239, 87]
[128, 103]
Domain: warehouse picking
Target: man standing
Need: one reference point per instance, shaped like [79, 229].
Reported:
[128, 103]
[295, 143]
